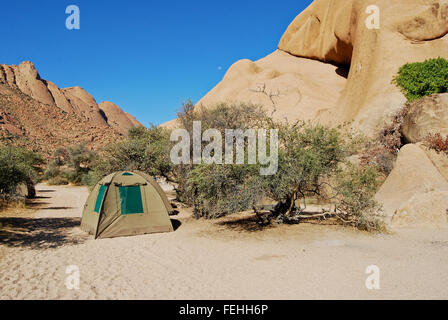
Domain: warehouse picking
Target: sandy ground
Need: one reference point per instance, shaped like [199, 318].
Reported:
[226, 259]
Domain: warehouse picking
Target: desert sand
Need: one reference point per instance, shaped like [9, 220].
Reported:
[229, 258]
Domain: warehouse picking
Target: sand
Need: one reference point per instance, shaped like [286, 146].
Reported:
[230, 258]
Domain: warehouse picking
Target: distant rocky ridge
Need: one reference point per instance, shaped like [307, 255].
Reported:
[36, 112]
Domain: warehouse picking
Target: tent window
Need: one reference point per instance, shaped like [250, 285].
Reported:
[127, 174]
[131, 199]
[99, 199]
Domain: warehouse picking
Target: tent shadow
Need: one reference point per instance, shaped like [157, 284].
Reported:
[41, 233]
[176, 224]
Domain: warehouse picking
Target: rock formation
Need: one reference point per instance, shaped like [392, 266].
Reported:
[283, 84]
[36, 114]
[428, 115]
[116, 118]
[25, 78]
[411, 193]
[306, 76]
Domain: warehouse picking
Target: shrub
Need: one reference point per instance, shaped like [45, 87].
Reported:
[421, 79]
[356, 207]
[17, 166]
[221, 117]
[382, 152]
[308, 155]
[218, 190]
[144, 149]
[437, 142]
[70, 165]
[58, 180]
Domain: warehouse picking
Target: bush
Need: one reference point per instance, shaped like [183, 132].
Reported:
[382, 152]
[218, 190]
[144, 149]
[18, 166]
[58, 181]
[221, 117]
[308, 155]
[356, 186]
[421, 79]
[437, 142]
[70, 165]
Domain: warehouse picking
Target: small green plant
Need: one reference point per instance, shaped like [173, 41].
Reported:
[421, 79]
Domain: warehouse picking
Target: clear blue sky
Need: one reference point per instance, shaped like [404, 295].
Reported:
[145, 56]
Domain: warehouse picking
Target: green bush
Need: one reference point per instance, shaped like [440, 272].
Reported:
[310, 158]
[70, 165]
[218, 190]
[144, 149]
[221, 117]
[356, 186]
[421, 79]
[308, 155]
[17, 166]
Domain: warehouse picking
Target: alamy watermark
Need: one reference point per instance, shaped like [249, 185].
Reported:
[373, 279]
[72, 280]
[373, 20]
[73, 21]
[234, 147]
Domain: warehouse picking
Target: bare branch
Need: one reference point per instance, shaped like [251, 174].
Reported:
[261, 88]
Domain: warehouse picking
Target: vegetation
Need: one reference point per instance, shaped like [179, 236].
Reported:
[382, 152]
[144, 149]
[421, 79]
[221, 117]
[217, 190]
[356, 187]
[311, 162]
[437, 142]
[18, 166]
[70, 165]
[308, 156]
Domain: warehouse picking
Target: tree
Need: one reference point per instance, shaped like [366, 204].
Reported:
[308, 155]
[17, 166]
[144, 149]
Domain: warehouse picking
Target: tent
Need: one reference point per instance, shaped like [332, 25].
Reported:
[126, 203]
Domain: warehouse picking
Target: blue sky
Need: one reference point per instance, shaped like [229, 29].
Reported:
[145, 56]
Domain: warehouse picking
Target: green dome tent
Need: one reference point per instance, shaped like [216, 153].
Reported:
[126, 203]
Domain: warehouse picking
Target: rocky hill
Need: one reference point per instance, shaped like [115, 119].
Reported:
[36, 114]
